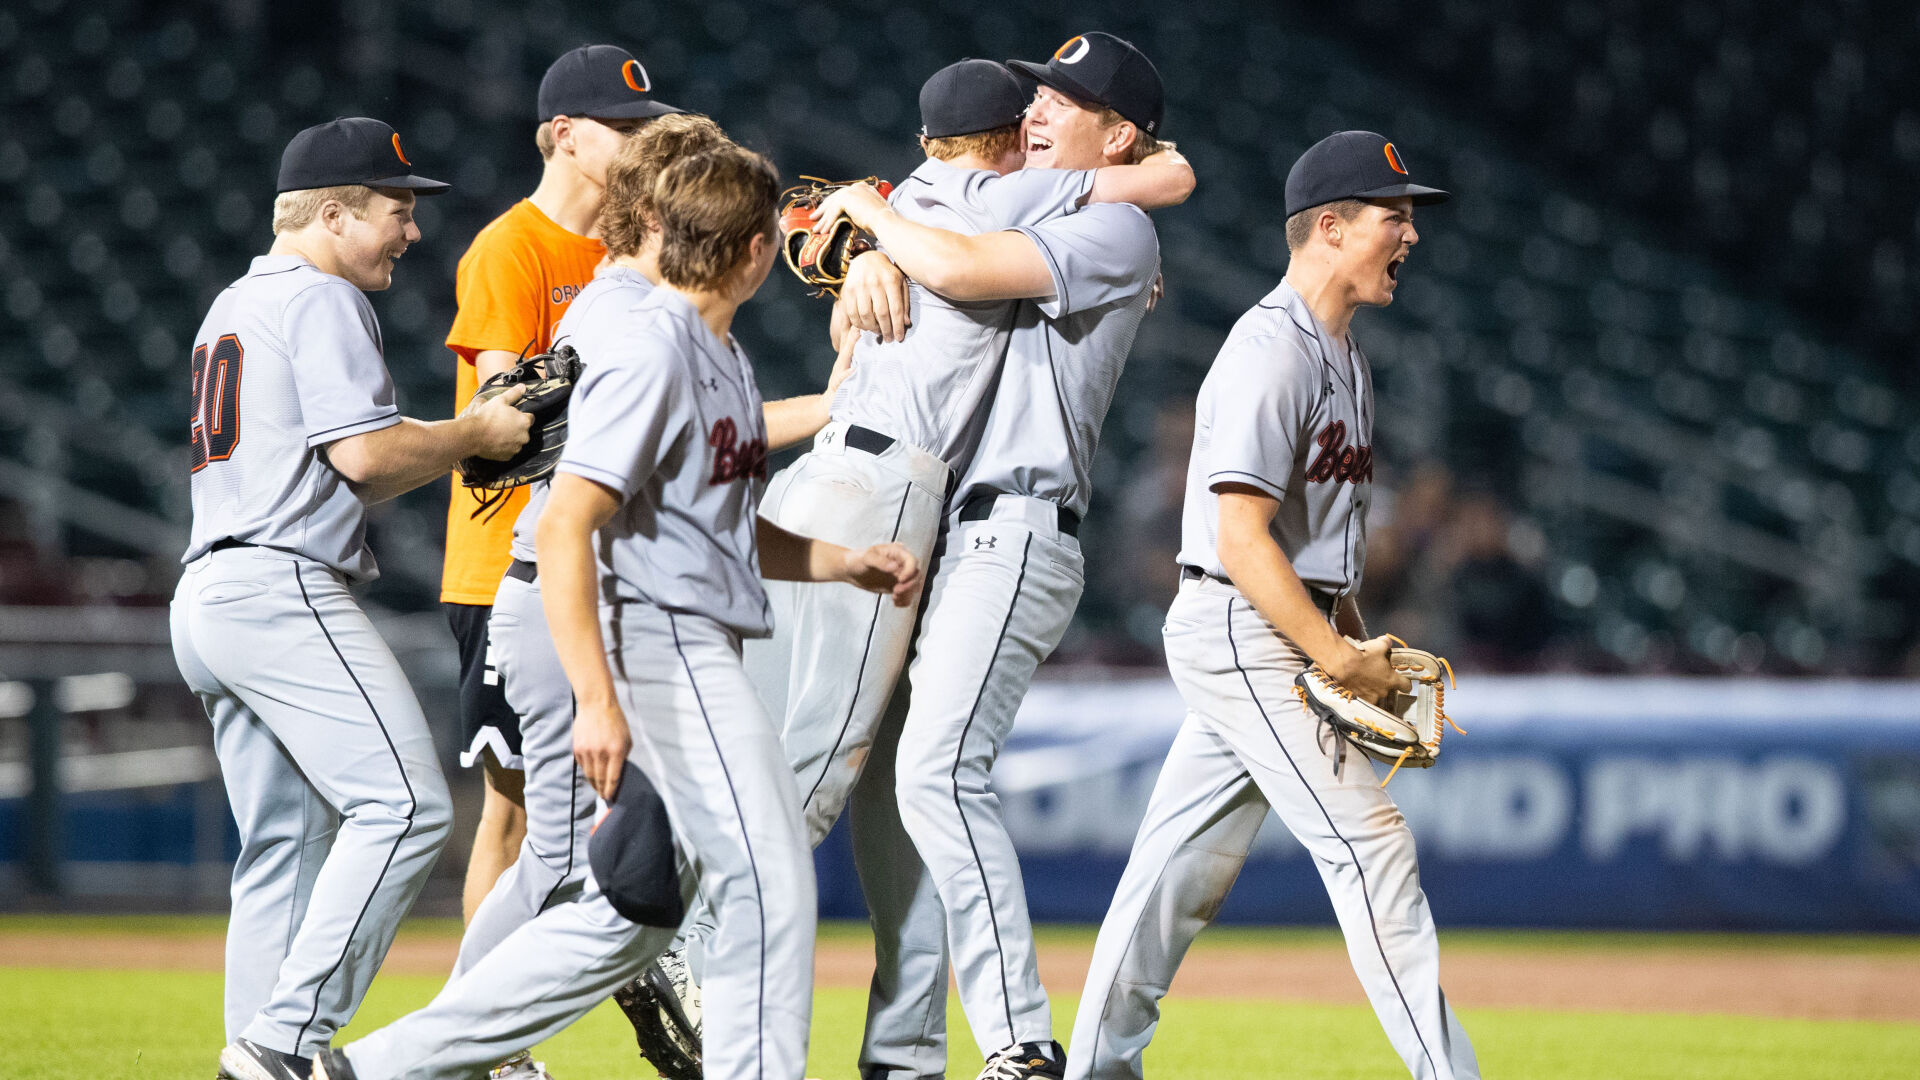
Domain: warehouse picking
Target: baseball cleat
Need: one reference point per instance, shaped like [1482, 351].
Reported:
[669, 1040]
[1025, 1061]
[244, 1059]
[332, 1065]
[520, 1066]
[673, 967]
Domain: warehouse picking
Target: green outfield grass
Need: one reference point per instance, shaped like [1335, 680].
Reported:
[104, 1025]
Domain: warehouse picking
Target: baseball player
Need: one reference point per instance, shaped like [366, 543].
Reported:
[665, 461]
[552, 866]
[513, 285]
[1273, 545]
[328, 763]
[908, 416]
[1010, 574]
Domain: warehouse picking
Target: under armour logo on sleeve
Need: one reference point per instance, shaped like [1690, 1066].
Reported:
[985, 543]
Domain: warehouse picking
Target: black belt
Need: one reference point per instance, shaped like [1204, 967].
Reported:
[873, 442]
[1323, 601]
[867, 439]
[226, 543]
[980, 507]
[522, 570]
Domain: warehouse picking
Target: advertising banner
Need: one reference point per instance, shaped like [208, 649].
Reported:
[1571, 801]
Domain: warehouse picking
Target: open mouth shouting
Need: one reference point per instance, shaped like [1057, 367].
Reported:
[1038, 143]
[1393, 268]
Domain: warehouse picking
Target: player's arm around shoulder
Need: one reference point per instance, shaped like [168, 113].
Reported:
[1162, 179]
[989, 266]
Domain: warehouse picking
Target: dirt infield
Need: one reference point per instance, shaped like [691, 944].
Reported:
[1764, 977]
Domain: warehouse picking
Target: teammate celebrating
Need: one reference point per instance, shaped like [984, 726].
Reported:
[513, 285]
[328, 762]
[552, 866]
[665, 461]
[1010, 572]
[1274, 541]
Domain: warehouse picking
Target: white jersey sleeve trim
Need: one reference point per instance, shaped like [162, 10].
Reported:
[604, 477]
[358, 427]
[1235, 476]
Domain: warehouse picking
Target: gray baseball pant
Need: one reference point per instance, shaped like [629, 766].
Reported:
[1248, 744]
[333, 780]
[701, 734]
[552, 866]
[1000, 600]
[842, 648]
[831, 669]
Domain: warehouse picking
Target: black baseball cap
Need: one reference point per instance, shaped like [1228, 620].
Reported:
[1353, 165]
[970, 96]
[1104, 70]
[601, 81]
[350, 150]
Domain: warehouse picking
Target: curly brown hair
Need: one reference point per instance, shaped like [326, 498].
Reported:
[626, 213]
[710, 206]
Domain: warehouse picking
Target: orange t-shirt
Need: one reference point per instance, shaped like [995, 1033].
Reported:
[513, 285]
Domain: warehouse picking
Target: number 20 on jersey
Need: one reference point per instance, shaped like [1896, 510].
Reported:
[216, 400]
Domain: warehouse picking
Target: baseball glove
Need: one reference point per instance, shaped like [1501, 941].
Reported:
[549, 379]
[662, 1003]
[1403, 730]
[821, 259]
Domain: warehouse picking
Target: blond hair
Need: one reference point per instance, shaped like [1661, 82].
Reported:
[543, 138]
[295, 210]
[1300, 225]
[627, 212]
[710, 206]
[1144, 145]
[991, 144]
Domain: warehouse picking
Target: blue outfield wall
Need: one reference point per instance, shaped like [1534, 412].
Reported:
[1570, 802]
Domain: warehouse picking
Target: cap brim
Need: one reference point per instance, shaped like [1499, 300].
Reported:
[642, 109]
[1422, 196]
[419, 185]
[1047, 76]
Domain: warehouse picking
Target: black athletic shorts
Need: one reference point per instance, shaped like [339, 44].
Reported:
[486, 721]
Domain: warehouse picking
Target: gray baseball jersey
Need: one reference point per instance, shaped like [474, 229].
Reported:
[1289, 411]
[928, 389]
[1065, 356]
[323, 747]
[590, 326]
[287, 360]
[659, 393]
